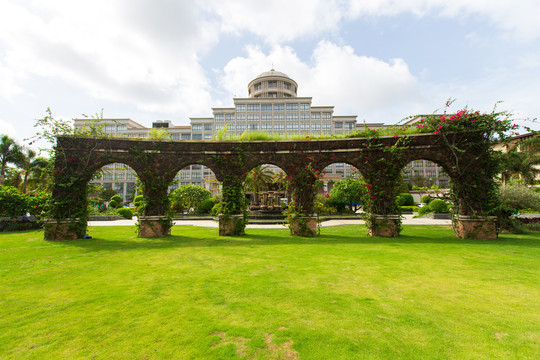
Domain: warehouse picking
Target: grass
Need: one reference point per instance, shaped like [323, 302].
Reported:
[268, 295]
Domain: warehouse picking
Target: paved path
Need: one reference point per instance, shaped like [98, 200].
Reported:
[407, 220]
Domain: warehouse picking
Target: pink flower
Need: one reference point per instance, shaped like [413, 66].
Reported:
[307, 137]
[439, 128]
[395, 136]
[437, 132]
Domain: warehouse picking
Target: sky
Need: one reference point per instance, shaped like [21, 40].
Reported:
[382, 60]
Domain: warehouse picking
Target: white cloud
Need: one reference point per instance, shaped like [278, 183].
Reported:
[7, 129]
[284, 20]
[335, 76]
[120, 51]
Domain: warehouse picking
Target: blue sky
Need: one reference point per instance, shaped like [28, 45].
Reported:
[381, 60]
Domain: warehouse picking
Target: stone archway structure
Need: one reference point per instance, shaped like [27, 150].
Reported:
[156, 163]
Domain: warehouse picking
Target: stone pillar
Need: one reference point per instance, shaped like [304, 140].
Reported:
[484, 227]
[230, 225]
[384, 225]
[303, 225]
[67, 229]
[154, 226]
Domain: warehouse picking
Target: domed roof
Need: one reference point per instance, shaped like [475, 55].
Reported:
[272, 72]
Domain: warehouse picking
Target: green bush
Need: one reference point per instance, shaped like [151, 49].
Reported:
[216, 210]
[438, 206]
[426, 199]
[410, 208]
[125, 213]
[424, 210]
[114, 204]
[117, 198]
[12, 202]
[518, 196]
[138, 200]
[405, 199]
[206, 206]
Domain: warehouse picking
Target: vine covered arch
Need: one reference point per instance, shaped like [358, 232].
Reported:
[378, 159]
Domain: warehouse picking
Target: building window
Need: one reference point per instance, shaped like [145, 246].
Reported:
[304, 107]
[338, 125]
[196, 137]
[121, 128]
[131, 176]
[253, 117]
[241, 108]
[272, 94]
[304, 116]
[110, 129]
[304, 126]
[185, 175]
[253, 127]
[266, 126]
[240, 117]
[326, 126]
[119, 176]
[326, 116]
[240, 127]
[266, 116]
[316, 126]
[175, 136]
[349, 126]
[292, 116]
[266, 107]
[230, 127]
[292, 107]
[316, 116]
[186, 136]
[292, 126]
[143, 136]
[279, 107]
[220, 117]
[258, 86]
[287, 86]
[107, 176]
[279, 126]
[196, 127]
[253, 107]
[279, 116]
[207, 127]
[272, 84]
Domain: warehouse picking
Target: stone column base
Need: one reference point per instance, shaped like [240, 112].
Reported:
[154, 226]
[231, 225]
[303, 226]
[475, 227]
[67, 229]
[384, 226]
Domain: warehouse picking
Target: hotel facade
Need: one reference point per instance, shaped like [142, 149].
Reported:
[272, 106]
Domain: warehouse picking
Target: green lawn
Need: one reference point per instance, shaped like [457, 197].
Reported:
[268, 295]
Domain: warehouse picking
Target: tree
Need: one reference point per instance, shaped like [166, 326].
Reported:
[519, 164]
[31, 164]
[10, 153]
[348, 191]
[188, 196]
[258, 179]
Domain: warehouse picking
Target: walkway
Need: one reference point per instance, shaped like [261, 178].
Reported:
[407, 220]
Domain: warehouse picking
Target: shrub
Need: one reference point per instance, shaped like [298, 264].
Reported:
[517, 196]
[125, 213]
[410, 208]
[206, 206]
[405, 199]
[188, 197]
[426, 199]
[114, 204]
[138, 200]
[12, 202]
[117, 198]
[216, 210]
[438, 206]
[424, 210]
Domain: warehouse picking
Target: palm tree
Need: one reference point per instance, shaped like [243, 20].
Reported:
[31, 164]
[10, 152]
[257, 179]
[520, 164]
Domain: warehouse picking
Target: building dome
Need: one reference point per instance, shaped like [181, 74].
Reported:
[272, 84]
